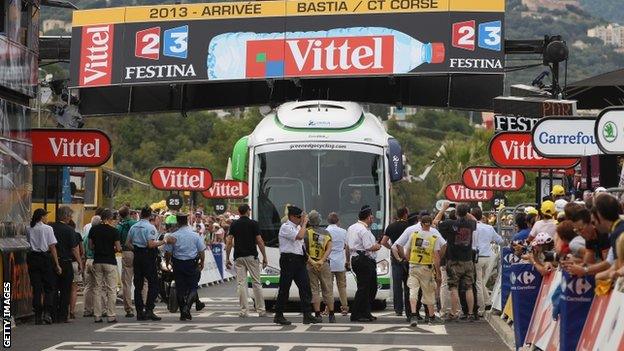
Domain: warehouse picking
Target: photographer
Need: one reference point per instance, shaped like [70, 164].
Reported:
[540, 253]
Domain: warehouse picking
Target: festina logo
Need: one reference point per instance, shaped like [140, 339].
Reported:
[96, 55]
[488, 178]
[338, 55]
[63, 147]
[458, 192]
[474, 63]
[159, 72]
[181, 179]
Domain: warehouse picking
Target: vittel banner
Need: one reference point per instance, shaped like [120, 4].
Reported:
[69, 147]
[227, 189]
[287, 38]
[565, 137]
[492, 178]
[457, 192]
[515, 150]
[181, 178]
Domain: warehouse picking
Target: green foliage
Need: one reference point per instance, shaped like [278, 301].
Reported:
[611, 10]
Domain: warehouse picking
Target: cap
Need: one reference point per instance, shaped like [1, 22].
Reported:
[199, 213]
[171, 219]
[560, 204]
[558, 190]
[600, 189]
[294, 211]
[181, 215]
[548, 207]
[438, 52]
[530, 210]
[542, 238]
[314, 218]
[40, 212]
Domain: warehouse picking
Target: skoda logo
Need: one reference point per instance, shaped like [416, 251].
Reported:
[609, 132]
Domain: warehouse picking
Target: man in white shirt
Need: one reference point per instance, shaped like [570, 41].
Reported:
[484, 236]
[293, 267]
[338, 259]
[363, 250]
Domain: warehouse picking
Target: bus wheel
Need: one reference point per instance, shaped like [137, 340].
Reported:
[379, 305]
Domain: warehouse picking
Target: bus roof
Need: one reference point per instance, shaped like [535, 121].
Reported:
[319, 120]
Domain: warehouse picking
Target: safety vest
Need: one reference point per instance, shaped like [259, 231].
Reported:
[421, 251]
[316, 241]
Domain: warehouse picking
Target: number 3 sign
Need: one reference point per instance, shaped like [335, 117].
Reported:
[489, 35]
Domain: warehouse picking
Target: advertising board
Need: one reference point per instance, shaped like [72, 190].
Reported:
[457, 192]
[515, 150]
[492, 178]
[181, 178]
[609, 130]
[70, 147]
[227, 189]
[565, 137]
[232, 41]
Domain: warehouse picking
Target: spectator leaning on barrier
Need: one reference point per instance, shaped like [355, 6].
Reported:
[596, 246]
[606, 215]
[539, 247]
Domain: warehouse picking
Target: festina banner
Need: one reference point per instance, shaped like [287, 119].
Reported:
[565, 137]
[576, 298]
[515, 150]
[492, 178]
[227, 189]
[459, 193]
[181, 178]
[70, 147]
[525, 285]
[229, 41]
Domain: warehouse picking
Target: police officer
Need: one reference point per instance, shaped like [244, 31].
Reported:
[187, 249]
[41, 259]
[293, 267]
[363, 248]
[143, 238]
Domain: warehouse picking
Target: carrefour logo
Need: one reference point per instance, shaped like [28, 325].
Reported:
[511, 258]
[524, 278]
[578, 286]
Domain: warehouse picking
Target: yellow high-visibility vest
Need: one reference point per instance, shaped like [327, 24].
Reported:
[317, 242]
[421, 251]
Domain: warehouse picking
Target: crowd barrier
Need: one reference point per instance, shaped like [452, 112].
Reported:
[559, 311]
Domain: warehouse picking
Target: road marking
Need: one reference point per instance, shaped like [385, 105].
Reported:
[133, 346]
[386, 329]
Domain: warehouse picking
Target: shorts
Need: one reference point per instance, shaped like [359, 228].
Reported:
[460, 271]
[77, 276]
[422, 277]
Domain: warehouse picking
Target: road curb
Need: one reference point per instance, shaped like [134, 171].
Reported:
[502, 329]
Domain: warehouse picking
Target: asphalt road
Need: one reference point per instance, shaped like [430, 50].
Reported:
[218, 327]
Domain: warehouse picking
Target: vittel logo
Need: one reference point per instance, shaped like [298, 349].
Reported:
[96, 55]
[489, 178]
[179, 178]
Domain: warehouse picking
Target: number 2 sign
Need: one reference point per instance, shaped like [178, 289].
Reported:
[175, 43]
[489, 35]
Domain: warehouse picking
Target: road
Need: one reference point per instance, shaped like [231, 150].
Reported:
[218, 327]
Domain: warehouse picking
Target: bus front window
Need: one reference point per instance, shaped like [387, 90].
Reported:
[322, 180]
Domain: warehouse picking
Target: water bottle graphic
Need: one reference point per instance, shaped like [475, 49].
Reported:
[340, 51]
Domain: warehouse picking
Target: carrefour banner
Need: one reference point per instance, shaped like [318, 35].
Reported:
[285, 39]
[577, 294]
[507, 259]
[525, 286]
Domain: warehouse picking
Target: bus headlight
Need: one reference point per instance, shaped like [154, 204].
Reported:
[383, 267]
[268, 270]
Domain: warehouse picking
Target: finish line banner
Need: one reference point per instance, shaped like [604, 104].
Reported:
[285, 39]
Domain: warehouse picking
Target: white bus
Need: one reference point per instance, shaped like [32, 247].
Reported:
[318, 155]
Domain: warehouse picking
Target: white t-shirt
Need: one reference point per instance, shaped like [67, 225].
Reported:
[548, 226]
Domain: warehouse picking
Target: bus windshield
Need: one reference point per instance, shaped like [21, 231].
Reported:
[322, 180]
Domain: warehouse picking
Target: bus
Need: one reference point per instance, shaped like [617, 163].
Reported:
[326, 156]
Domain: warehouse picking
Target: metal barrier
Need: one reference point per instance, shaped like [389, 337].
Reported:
[507, 230]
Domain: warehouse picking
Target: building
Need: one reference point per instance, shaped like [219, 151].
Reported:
[611, 34]
[51, 24]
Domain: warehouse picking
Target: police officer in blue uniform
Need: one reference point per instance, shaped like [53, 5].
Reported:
[187, 249]
[143, 239]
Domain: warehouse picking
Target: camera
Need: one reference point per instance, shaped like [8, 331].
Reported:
[551, 256]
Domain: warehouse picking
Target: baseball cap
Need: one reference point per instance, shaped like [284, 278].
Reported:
[542, 238]
[530, 210]
[548, 207]
[171, 219]
[560, 204]
[600, 189]
[558, 190]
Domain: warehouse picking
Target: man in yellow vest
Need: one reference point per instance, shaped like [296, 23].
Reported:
[318, 244]
[423, 252]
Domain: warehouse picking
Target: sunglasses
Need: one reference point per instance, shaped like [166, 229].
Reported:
[297, 216]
